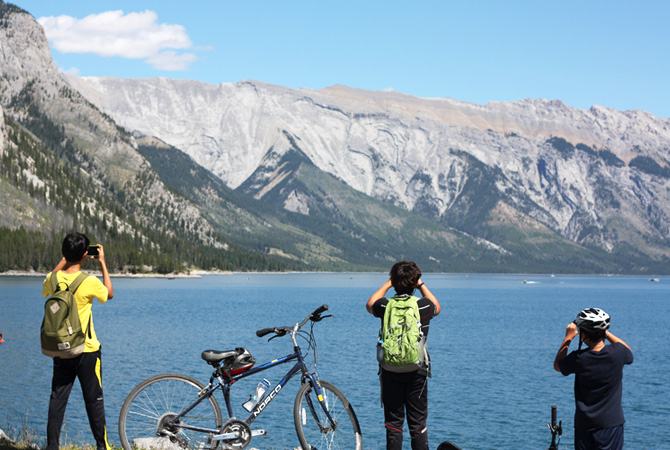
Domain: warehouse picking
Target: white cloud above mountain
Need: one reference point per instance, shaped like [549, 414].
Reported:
[136, 35]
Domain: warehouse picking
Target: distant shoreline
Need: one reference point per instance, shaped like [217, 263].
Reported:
[192, 274]
[195, 274]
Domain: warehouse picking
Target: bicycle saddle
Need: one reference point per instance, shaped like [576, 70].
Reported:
[215, 356]
[234, 361]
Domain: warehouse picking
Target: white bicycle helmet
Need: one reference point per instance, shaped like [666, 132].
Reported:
[593, 319]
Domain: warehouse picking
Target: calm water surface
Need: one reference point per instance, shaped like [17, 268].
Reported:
[492, 349]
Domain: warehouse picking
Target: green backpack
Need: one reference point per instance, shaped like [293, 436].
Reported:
[401, 339]
[61, 333]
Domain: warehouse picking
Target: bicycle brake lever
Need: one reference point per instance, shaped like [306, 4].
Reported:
[320, 318]
[278, 333]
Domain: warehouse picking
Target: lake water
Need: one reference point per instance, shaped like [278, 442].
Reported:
[492, 350]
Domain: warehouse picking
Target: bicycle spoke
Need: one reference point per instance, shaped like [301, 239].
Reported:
[315, 429]
[150, 415]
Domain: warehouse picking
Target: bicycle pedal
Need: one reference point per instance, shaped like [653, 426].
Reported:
[258, 433]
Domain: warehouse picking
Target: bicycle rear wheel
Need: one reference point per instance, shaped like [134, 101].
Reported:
[312, 425]
[147, 416]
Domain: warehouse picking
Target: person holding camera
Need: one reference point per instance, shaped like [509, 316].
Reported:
[86, 366]
[405, 388]
[598, 373]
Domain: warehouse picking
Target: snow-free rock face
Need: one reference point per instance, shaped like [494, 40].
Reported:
[583, 173]
[24, 52]
[29, 75]
[33, 93]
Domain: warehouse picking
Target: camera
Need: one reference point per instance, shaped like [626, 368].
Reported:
[93, 250]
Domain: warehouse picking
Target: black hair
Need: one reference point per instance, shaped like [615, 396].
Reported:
[74, 246]
[593, 335]
[404, 277]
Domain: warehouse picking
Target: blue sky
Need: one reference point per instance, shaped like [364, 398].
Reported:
[610, 53]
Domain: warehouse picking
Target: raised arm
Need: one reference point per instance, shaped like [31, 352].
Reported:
[429, 295]
[61, 264]
[614, 340]
[106, 280]
[570, 333]
[380, 293]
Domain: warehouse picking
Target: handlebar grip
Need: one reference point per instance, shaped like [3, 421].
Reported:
[553, 415]
[320, 309]
[264, 332]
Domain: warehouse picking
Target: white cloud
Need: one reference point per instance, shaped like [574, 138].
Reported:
[136, 35]
[171, 60]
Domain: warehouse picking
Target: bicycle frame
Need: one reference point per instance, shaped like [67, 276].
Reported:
[155, 408]
[299, 366]
[225, 382]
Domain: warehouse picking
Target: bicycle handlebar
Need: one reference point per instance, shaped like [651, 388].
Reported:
[281, 331]
[319, 310]
[553, 415]
[315, 316]
[555, 429]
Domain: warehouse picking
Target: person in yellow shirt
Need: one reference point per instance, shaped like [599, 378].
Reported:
[87, 366]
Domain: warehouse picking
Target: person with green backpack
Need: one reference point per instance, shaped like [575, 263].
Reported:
[68, 335]
[403, 358]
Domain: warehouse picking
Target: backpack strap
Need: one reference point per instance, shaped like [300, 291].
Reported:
[77, 281]
[387, 317]
[55, 285]
[73, 287]
[54, 282]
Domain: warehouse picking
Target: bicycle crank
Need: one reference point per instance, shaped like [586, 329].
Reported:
[235, 435]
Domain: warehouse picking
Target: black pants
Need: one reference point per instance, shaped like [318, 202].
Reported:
[405, 393]
[88, 368]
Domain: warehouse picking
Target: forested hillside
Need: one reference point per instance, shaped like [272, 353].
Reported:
[48, 191]
[67, 166]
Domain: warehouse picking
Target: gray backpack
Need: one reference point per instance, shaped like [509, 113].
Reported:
[61, 333]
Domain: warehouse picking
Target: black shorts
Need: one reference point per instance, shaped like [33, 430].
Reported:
[599, 438]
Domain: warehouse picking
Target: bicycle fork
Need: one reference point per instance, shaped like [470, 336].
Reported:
[322, 403]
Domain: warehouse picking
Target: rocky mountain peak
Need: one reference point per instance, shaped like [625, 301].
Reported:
[515, 178]
[34, 94]
[557, 164]
[24, 51]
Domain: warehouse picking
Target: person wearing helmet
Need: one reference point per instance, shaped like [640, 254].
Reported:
[598, 373]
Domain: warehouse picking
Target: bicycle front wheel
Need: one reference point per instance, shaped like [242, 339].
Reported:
[148, 416]
[314, 427]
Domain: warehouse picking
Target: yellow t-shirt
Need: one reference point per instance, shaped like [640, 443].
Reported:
[89, 289]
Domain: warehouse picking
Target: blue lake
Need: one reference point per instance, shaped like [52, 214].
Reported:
[492, 350]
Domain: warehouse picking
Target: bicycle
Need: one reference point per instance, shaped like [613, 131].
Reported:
[554, 428]
[172, 411]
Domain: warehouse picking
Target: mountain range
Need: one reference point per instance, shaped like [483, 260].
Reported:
[275, 178]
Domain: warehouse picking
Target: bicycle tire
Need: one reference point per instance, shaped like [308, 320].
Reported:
[308, 415]
[154, 401]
